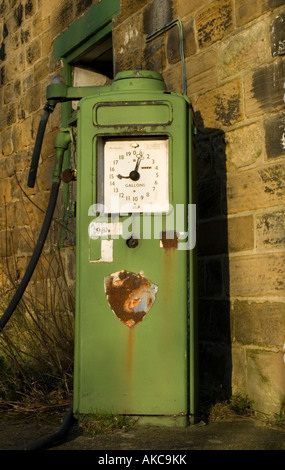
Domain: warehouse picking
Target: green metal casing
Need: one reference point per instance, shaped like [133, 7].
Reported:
[149, 370]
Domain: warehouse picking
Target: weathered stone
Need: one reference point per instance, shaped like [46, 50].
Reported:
[81, 6]
[270, 230]
[6, 142]
[185, 8]
[260, 324]
[240, 233]
[128, 50]
[189, 38]
[25, 36]
[246, 11]
[62, 16]
[33, 51]
[243, 49]
[257, 276]
[201, 72]
[275, 135]
[40, 70]
[11, 115]
[33, 99]
[172, 46]
[154, 55]
[2, 51]
[128, 8]
[264, 89]
[173, 42]
[156, 15]
[244, 146]
[173, 78]
[222, 106]
[2, 75]
[266, 380]
[277, 35]
[18, 15]
[214, 22]
[255, 189]
[239, 372]
[29, 8]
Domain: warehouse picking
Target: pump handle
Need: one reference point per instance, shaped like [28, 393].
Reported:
[48, 109]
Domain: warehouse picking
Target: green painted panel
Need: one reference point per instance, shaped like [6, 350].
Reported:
[144, 369]
[99, 15]
[111, 114]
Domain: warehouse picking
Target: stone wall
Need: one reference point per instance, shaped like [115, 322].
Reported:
[234, 62]
[234, 59]
[28, 29]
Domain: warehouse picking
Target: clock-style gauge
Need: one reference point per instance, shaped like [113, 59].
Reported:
[136, 175]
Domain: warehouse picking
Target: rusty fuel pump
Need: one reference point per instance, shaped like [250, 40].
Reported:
[136, 320]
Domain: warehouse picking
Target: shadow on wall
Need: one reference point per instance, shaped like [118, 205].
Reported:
[215, 363]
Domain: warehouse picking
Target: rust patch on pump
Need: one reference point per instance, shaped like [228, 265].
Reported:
[129, 295]
[169, 239]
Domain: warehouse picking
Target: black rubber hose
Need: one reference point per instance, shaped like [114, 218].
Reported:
[35, 256]
[53, 439]
[48, 109]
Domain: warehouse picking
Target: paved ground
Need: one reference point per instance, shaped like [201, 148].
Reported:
[234, 433]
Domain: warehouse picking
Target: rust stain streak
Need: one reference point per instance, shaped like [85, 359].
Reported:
[169, 239]
[130, 352]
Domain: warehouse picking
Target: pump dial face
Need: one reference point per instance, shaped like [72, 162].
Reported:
[136, 175]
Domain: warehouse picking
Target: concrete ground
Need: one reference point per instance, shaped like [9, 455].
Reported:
[231, 433]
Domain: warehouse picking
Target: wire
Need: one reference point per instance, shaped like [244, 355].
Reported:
[35, 257]
[176, 22]
[53, 439]
[48, 109]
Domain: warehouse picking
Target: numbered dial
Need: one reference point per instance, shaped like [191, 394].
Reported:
[136, 176]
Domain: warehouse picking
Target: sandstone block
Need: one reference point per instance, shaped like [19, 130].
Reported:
[214, 22]
[260, 324]
[240, 233]
[266, 380]
[173, 78]
[156, 15]
[256, 188]
[257, 275]
[33, 51]
[128, 50]
[275, 135]
[185, 8]
[248, 47]
[221, 107]
[270, 230]
[247, 11]
[264, 89]
[277, 35]
[244, 146]
[201, 71]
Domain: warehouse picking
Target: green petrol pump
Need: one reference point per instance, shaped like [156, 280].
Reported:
[135, 322]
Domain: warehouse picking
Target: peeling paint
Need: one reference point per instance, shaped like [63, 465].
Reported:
[169, 239]
[129, 295]
[129, 36]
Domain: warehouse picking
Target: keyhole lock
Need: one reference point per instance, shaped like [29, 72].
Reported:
[132, 242]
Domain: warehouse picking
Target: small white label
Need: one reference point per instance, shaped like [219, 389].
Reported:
[106, 252]
[104, 229]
